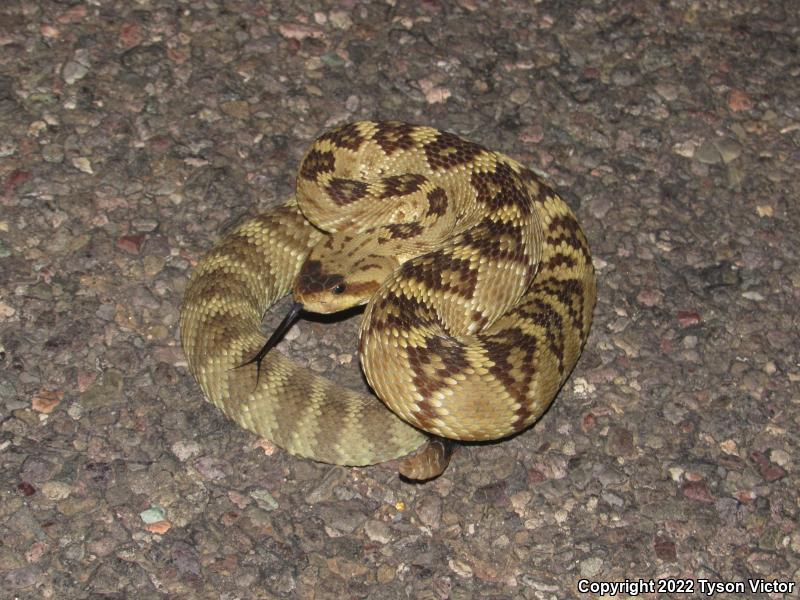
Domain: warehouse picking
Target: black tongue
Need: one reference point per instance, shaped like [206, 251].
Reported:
[280, 330]
[276, 336]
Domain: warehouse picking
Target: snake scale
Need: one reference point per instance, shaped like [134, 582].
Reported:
[478, 284]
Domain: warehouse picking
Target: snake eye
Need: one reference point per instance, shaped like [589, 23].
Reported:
[339, 288]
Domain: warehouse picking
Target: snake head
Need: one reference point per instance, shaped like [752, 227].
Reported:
[339, 274]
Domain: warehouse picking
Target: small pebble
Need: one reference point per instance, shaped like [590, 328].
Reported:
[152, 515]
[378, 531]
[56, 490]
[46, 401]
[739, 101]
[186, 449]
[708, 153]
[83, 164]
[590, 567]
[264, 499]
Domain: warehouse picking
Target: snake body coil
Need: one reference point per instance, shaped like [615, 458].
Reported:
[478, 282]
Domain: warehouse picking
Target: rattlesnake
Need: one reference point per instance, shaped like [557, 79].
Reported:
[478, 282]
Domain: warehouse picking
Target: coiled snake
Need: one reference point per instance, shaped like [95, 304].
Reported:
[478, 283]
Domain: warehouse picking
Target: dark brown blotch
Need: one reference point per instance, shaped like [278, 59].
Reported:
[429, 273]
[312, 279]
[558, 260]
[532, 180]
[539, 312]
[452, 356]
[566, 229]
[499, 347]
[402, 185]
[437, 202]
[346, 191]
[346, 136]
[393, 136]
[449, 150]
[399, 311]
[404, 231]
[317, 162]
[501, 187]
[568, 292]
[497, 240]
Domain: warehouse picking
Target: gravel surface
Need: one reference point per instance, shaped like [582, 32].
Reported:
[133, 133]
